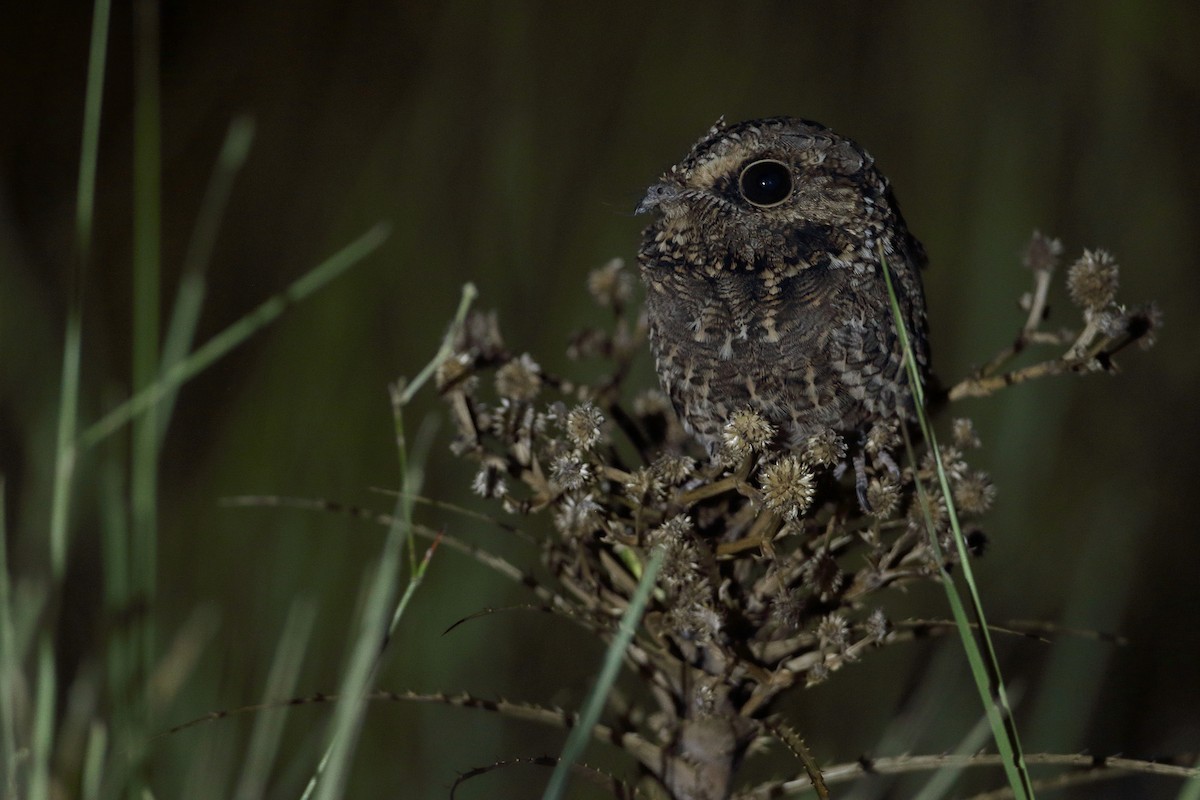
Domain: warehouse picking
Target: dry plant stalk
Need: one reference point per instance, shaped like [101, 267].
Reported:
[774, 570]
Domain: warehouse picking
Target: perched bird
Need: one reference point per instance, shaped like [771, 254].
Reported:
[765, 287]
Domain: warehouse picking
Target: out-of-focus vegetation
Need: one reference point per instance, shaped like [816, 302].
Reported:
[507, 145]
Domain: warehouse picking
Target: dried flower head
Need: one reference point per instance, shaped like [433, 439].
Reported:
[953, 462]
[1092, 280]
[935, 506]
[682, 562]
[1042, 254]
[611, 286]
[877, 625]
[974, 493]
[480, 336]
[817, 674]
[788, 486]
[822, 575]
[512, 421]
[519, 379]
[673, 469]
[964, 433]
[694, 620]
[1111, 322]
[882, 437]
[833, 632]
[746, 432]
[456, 373]
[577, 515]
[583, 426]
[644, 485]
[489, 480]
[825, 448]
[883, 493]
[570, 472]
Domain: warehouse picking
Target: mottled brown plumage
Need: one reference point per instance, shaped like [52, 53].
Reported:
[764, 283]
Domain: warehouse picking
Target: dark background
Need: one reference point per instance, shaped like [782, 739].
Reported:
[507, 144]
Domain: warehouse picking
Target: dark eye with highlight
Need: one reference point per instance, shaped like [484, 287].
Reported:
[766, 183]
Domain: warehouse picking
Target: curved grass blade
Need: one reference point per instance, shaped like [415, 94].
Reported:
[235, 334]
[190, 295]
[981, 654]
[85, 203]
[376, 625]
[578, 739]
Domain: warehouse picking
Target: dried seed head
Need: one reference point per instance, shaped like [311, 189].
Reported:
[682, 569]
[511, 421]
[489, 480]
[456, 373]
[1092, 280]
[644, 485]
[788, 486]
[936, 505]
[480, 336]
[822, 575]
[974, 493]
[882, 438]
[577, 515]
[570, 472]
[833, 632]
[677, 527]
[611, 285]
[817, 673]
[519, 379]
[673, 469]
[952, 462]
[825, 448]
[964, 433]
[582, 426]
[1042, 254]
[1112, 322]
[877, 625]
[746, 432]
[883, 493]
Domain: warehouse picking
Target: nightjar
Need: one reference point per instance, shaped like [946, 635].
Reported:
[765, 288]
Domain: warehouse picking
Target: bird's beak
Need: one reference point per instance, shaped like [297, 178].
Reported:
[655, 195]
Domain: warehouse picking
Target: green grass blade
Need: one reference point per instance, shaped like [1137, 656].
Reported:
[377, 625]
[43, 723]
[330, 778]
[68, 414]
[281, 683]
[234, 335]
[147, 245]
[190, 296]
[469, 294]
[581, 732]
[92, 105]
[8, 660]
[981, 654]
[93, 762]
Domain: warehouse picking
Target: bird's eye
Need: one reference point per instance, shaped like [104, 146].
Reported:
[766, 183]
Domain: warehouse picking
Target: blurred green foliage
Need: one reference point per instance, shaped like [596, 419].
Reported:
[507, 144]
